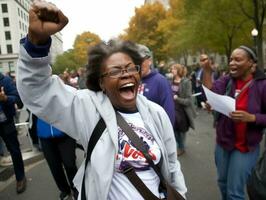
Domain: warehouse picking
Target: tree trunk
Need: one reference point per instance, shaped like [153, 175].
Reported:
[258, 21]
[259, 49]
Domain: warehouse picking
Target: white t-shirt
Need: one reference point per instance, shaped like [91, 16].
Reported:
[121, 187]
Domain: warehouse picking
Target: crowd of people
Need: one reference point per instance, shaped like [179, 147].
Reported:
[121, 80]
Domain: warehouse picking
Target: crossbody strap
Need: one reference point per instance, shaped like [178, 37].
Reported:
[95, 136]
[243, 88]
[130, 173]
[138, 143]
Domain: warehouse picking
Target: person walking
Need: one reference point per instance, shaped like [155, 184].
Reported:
[59, 152]
[8, 98]
[113, 80]
[184, 106]
[239, 135]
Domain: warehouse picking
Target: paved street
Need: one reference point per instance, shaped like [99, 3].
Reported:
[198, 161]
[197, 166]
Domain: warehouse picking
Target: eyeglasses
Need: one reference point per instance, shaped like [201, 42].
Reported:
[116, 72]
[203, 59]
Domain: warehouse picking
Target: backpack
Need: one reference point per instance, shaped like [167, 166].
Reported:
[256, 184]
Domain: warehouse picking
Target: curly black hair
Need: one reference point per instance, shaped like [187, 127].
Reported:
[102, 51]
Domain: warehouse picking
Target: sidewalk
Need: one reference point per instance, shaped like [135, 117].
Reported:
[40, 182]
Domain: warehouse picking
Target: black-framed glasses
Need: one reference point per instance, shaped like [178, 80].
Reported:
[116, 72]
[203, 59]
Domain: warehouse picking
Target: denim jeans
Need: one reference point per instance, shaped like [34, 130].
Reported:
[233, 170]
[180, 140]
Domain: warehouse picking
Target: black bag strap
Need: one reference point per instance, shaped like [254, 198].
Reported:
[95, 136]
[243, 88]
[138, 184]
[138, 143]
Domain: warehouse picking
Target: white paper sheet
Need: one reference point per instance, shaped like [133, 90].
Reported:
[221, 103]
[196, 94]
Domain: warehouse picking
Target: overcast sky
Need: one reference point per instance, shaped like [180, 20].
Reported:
[106, 18]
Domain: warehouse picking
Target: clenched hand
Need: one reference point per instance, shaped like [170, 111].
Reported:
[45, 19]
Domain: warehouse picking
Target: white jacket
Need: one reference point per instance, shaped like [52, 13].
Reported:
[76, 112]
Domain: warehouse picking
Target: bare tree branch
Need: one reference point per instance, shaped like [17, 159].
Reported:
[240, 2]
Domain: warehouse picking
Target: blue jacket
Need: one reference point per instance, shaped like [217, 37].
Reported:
[45, 130]
[13, 98]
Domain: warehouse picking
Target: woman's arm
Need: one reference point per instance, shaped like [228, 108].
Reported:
[46, 95]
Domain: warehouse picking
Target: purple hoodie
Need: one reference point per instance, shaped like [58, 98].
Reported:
[157, 89]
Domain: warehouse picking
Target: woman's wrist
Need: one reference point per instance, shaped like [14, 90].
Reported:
[252, 118]
[37, 40]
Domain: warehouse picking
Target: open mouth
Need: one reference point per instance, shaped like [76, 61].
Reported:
[127, 91]
[233, 71]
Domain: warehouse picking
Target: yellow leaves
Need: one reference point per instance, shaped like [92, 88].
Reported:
[81, 45]
[143, 27]
[77, 57]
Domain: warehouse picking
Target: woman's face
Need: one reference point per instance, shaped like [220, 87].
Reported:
[122, 90]
[241, 66]
[174, 71]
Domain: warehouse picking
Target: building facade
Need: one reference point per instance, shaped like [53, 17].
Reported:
[14, 22]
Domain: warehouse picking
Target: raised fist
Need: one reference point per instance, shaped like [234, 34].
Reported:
[45, 19]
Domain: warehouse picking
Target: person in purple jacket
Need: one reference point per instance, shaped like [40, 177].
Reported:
[154, 85]
[239, 135]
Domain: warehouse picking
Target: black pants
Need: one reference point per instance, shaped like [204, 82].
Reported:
[60, 152]
[33, 130]
[8, 133]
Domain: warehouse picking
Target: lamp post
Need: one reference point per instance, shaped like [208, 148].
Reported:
[254, 34]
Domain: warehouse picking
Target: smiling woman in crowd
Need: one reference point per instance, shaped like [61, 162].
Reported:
[113, 80]
[239, 135]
